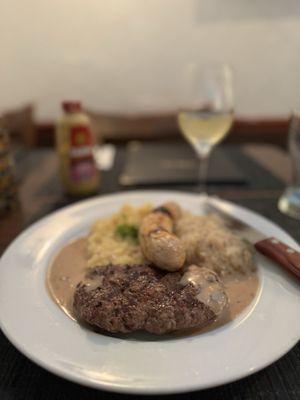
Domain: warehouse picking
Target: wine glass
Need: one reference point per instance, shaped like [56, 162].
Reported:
[206, 110]
[289, 202]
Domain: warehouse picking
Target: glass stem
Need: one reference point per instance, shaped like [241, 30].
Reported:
[203, 169]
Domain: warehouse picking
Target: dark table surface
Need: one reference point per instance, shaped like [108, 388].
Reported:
[22, 379]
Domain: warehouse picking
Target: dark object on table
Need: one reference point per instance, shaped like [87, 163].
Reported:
[21, 125]
[8, 192]
[122, 127]
[167, 163]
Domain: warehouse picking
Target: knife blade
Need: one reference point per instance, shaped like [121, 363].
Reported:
[271, 247]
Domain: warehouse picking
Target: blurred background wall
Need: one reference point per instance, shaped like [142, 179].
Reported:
[123, 55]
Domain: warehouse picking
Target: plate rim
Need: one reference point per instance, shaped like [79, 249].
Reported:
[112, 387]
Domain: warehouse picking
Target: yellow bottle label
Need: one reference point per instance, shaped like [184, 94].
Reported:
[82, 165]
[75, 142]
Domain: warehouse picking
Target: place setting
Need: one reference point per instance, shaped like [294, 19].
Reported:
[151, 249]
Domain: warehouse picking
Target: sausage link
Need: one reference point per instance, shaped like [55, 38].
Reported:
[158, 243]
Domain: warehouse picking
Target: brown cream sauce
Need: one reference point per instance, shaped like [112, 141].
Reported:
[69, 267]
[65, 272]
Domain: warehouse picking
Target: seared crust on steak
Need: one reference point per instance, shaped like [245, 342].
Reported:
[122, 298]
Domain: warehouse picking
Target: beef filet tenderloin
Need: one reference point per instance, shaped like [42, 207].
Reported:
[123, 298]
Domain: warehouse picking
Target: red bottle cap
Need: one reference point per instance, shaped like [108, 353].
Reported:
[71, 106]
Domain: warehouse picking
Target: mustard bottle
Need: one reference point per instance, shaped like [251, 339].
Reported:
[74, 144]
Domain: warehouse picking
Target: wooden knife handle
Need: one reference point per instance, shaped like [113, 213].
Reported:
[279, 252]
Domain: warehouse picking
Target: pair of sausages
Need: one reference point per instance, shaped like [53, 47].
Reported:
[158, 242]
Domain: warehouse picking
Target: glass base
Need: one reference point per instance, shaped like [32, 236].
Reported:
[289, 202]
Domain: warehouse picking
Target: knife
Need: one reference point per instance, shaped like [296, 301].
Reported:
[271, 247]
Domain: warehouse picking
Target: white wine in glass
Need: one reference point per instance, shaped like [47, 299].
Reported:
[208, 114]
[204, 129]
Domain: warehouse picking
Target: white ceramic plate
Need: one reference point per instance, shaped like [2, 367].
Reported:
[40, 330]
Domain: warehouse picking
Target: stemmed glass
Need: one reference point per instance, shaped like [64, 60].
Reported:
[289, 202]
[206, 110]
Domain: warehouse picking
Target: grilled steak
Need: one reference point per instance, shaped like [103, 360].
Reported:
[122, 298]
